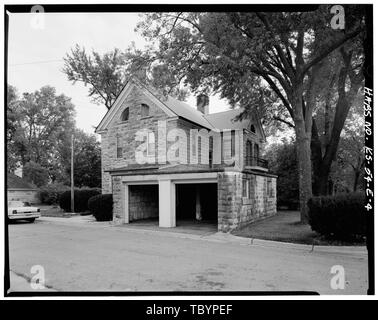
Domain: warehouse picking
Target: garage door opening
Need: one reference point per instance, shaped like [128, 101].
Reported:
[197, 203]
[143, 202]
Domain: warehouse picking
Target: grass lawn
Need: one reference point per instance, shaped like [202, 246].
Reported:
[286, 227]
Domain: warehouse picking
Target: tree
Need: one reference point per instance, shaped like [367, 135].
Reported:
[331, 109]
[36, 174]
[107, 74]
[343, 86]
[228, 52]
[12, 116]
[43, 122]
[350, 155]
[87, 160]
[104, 74]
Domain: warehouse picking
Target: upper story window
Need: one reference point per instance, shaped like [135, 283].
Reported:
[125, 115]
[249, 153]
[119, 147]
[199, 149]
[253, 129]
[211, 148]
[150, 144]
[233, 143]
[257, 151]
[144, 110]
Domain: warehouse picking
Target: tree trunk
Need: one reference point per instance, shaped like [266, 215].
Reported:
[303, 146]
[304, 170]
[316, 157]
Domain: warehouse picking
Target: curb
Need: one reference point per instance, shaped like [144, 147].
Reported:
[279, 244]
[359, 250]
[227, 237]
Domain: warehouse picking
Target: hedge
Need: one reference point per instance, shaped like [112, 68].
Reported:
[50, 194]
[81, 197]
[341, 216]
[101, 206]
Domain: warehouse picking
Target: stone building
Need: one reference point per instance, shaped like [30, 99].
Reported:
[18, 189]
[164, 159]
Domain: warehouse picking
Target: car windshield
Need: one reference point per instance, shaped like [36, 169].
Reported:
[17, 204]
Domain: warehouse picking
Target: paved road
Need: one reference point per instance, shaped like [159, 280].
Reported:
[100, 257]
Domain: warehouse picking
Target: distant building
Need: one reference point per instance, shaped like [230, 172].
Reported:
[21, 190]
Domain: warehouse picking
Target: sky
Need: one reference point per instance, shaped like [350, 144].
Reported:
[36, 49]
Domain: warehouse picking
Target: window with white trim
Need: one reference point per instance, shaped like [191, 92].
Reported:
[233, 143]
[151, 144]
[269, 187]
[245, 188]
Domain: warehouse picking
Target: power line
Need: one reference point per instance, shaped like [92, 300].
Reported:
[35, 62]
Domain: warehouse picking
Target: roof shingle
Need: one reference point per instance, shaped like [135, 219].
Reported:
[15, 182]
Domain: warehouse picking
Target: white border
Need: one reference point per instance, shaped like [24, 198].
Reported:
[171, 297]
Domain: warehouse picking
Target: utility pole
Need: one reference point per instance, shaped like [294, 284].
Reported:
[72, 175]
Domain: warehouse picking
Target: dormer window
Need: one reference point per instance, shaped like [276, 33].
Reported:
[253, 129]
[125, 115]
[144, 110]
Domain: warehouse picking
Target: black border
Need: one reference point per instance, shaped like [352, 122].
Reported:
[108, 8]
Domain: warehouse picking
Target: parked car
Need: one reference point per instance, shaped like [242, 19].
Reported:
[19, 210]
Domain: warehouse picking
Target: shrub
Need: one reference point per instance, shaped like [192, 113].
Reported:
[81, 197]
[101, 206]
[341, 217]
[50, 194]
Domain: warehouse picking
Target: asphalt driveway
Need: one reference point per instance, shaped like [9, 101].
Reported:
[90, 256]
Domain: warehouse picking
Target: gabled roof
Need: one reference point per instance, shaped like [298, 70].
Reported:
[226, 120]
[121, 98]
[174, 107]
[15, 182]
[185, 111]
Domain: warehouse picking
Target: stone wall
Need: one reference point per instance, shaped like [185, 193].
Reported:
[229, 200]
[143, 202]
[118, 214]
[30, 196]
[236, 210]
